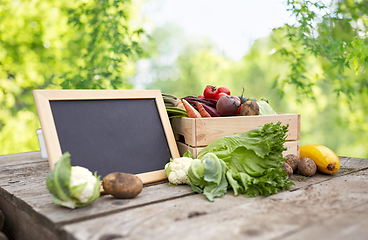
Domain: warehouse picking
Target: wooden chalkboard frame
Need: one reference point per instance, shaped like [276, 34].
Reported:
[42, 100]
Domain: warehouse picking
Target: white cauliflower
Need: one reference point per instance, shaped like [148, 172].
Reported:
[72, 186]
[81, 175]
[177, 170]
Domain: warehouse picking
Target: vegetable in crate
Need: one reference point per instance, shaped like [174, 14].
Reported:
[174, 106]
[242, 99]
[210, 92]
[176, 112]
[208, 104]
[172, 101]
[265, 108]
[202, 110]
[218, 96]
[227, 105]
[249, 108]
[225, 90]
[253, 159]
[72, 186]
[191, 111]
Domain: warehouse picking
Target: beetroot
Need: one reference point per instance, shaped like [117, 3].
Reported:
[227, 105]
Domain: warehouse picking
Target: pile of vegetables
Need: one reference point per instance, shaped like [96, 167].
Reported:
[312, 157]
[74, 186]
[215, 102]
[249, 163]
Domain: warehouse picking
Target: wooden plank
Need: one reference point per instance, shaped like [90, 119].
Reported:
[202, 131]
[21, 158]
[348, 166]
[353, 163]
[232, 217]
[209, 130]
[22, 225]
[292, 148]
[107, 204]
[35, 201]
[348, 225]
[184, 128]
[23, 193]
[26, 187]
[22, 187]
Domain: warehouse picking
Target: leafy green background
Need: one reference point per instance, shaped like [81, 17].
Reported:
[316, 68]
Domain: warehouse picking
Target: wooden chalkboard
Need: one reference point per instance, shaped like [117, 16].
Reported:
[108, 130]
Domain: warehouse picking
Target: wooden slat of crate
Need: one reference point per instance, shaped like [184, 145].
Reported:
[292, 147]
[202, 131]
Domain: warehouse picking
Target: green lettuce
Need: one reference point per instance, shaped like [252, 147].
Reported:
[207, 176]
[253, 160]
[265, 108]
[58, 184]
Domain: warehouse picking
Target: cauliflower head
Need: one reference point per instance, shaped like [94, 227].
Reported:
[79, 176]
[72, 187]
[177, 170]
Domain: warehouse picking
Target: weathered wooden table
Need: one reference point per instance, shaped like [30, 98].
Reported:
[319, 207]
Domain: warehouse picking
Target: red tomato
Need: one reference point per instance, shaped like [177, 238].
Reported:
[237, 112]
[224, 90]
[200, 96]
[219, 95]
[210, 92]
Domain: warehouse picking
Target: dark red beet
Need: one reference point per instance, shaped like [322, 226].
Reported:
[227, 106]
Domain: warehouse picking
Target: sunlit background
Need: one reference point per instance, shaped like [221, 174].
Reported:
[231, 26]
[191, 44]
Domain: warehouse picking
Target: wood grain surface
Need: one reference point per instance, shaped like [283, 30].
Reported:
[318, 207]
[198, 132]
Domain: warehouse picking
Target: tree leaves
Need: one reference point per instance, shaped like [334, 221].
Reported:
[107, 44]
[60, 44]
[335, 34]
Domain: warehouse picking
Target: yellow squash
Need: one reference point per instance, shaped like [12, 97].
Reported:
[326, 160]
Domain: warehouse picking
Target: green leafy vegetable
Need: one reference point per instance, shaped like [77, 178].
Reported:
[188, 154]
[253, 160]
[207, 176]
[265, 108]
[72, 186]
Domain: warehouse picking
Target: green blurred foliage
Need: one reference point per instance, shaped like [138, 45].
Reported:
[60, 44]
[316, 68]
[331, 98]
[337, 35]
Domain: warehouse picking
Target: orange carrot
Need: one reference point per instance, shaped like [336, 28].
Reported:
[201, 110]
[192, 112]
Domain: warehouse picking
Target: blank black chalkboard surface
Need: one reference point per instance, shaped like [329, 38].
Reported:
[108, 130]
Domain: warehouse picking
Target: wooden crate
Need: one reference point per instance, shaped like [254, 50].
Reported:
[197, 133]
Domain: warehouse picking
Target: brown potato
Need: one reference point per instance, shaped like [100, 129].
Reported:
[286, 167]
[122, 185]
[307, 167]
[249, 108]
[293, 161]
